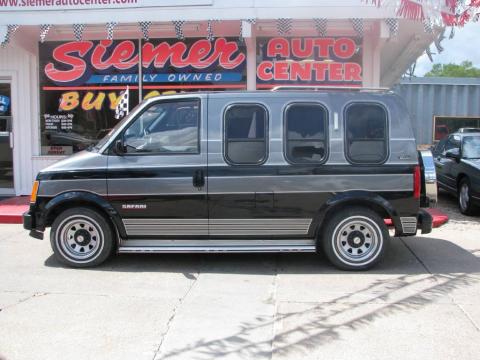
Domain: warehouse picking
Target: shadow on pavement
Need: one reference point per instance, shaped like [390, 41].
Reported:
[398, 261]
[308, 325]
[320, 324]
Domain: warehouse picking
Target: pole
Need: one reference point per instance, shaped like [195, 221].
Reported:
[140, 72]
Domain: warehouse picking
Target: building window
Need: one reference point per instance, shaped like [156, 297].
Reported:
[306, 133]
[246, 134]
[165, 128]
[366, 133]
[446, 125]
[78, 96]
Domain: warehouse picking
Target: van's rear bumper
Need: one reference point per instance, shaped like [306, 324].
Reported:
[438, 218]
[427, 219]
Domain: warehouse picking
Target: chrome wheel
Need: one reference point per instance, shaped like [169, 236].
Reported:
[80, 238]
[463, 197]
[357, 240]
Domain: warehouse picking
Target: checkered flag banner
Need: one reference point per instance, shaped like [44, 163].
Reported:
[44, 29]
[178, 24]
[284, 26]
[252, 21]
[11, 29]
[438, 41]
[392, 24]
[110, 28]
[144, 27]
[428, 26]
[452, 33]
[122, 107]
[321, 26]
[357, 26]
[429, 54]
[210, 36]
[78, 31]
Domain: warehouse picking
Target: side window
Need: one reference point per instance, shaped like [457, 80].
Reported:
[453, 142]
[246, 134]
[306, 133]
[366, 133]
[438, 149]
[166, 127]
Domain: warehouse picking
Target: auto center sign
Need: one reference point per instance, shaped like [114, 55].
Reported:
[309, 61]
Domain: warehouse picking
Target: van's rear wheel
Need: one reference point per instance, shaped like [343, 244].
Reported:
[81, 237]
[355, 239]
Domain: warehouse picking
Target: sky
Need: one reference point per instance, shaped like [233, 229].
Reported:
[464, 46]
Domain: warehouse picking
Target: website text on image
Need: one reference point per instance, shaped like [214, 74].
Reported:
[22, 5]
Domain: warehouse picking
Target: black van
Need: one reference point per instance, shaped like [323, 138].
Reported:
[242, 172]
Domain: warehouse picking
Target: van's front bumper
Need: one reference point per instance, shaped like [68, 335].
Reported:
[29, 224]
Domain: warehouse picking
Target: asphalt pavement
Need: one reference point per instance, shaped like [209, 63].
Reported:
[422, 302]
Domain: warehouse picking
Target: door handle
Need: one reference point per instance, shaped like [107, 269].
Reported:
[198, 179]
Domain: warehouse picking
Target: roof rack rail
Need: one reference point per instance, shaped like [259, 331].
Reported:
[320, 87]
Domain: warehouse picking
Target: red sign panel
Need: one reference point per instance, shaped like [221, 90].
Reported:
[163, 61]
[335, 61]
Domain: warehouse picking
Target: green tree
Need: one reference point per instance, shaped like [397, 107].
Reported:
[465, 69]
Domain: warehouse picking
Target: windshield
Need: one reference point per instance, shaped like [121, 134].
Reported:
[471, 147]
[107, 137]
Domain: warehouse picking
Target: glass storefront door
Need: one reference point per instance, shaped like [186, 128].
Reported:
[6, 158]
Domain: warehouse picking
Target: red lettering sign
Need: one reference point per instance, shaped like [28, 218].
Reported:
[123, 55]
[70, 54]
[72, 59]
[309, 61]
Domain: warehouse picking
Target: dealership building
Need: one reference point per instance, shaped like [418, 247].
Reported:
[65, 64]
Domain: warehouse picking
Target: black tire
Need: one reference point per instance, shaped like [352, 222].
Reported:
[81, 237]
[355, 239]
[464, 197]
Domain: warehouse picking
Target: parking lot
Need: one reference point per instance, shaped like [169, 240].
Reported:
[421, 302]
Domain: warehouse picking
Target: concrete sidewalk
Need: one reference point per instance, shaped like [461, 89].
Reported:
[422, 302]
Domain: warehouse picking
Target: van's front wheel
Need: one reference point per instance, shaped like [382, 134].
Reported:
[355, 239]
[81, 237]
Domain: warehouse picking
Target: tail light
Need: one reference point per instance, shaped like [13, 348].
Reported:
[417, 182]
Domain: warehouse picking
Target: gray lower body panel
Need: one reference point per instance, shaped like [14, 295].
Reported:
[216, 227]
[202, 246]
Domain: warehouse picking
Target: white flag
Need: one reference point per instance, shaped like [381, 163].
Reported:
[122, 107]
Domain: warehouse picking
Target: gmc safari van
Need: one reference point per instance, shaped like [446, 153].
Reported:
[242, 172]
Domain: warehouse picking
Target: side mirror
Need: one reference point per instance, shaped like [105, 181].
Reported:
[118, 147]
[453, 154]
